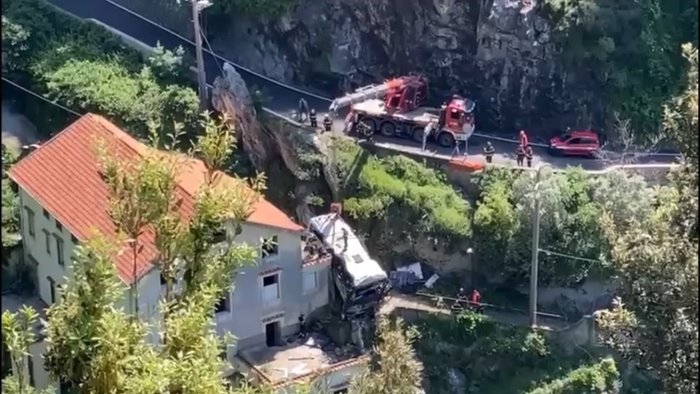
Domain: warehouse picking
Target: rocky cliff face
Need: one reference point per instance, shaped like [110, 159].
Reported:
[496, 51]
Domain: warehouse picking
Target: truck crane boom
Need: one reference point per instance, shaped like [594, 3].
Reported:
[372, 92]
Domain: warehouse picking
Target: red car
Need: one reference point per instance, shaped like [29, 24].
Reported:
[576, 143]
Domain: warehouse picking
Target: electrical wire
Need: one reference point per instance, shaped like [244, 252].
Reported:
[40, 96]
[568, 256]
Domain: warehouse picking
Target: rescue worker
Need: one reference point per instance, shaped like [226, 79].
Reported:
[455, 150]
[523, 139]
[520, 155]
[426, 133]
[303, 110]
[475, 300]
[302, 328]
[312, 118]
[528, 155]
[327, 123]
[488, 152]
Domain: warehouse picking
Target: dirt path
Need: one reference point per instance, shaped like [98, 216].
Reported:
[419, 303]
[17, 130]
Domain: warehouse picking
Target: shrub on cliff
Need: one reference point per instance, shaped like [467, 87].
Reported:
[403, 199]
[571, 208]
[85, 67]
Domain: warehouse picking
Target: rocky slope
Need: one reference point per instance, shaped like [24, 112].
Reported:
[496, 51]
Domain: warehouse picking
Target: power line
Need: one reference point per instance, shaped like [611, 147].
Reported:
[568, 256]
[40, 96]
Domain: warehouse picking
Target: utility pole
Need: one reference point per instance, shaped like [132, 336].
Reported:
[197, 7]
[534, 269]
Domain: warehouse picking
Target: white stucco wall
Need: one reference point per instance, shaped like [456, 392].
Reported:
[245, 318]
[35, 246]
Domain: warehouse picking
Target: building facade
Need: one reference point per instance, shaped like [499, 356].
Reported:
[64, 199]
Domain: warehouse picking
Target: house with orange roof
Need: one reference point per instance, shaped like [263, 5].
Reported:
[64, 201]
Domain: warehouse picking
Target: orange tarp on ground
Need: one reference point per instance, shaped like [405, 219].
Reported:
[466, 164]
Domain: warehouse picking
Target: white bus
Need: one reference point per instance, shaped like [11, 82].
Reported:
[360, 280]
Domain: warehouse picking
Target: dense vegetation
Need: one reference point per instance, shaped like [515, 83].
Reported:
[628, 50]
[10, 202]
[494, 358]
[572, 204]
[397, 199]
[86, 68]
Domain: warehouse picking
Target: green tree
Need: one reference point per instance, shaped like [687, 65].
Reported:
[598, 378]
[168, 66]
[629, 50]
[14, 45]
[394, 367]
[10, 202]
[17, 336]
[656, 260]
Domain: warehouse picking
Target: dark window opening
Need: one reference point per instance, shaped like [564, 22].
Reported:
[59, 250]
[47, 239]
[46, 213]
[74, 239]
[59, 226]
[162, 279]
[30, 222]
[273, 334]
[270, 280]
[52, 290]
[270, 246]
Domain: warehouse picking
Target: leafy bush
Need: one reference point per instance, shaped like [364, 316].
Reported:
[264, 8]
[630, 49]
[599, 378]
[87, 68]
[572, 205]
[400, 189]
[10, 202]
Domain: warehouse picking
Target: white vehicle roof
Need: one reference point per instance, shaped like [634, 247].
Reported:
[362, 268]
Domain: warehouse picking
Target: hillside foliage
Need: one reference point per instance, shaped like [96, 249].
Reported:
[86, 68]
[630, 50]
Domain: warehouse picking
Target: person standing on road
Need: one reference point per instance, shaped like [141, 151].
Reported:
[312, 118]
[523, 139]
[475, 300]
[528, 155]
[327, 123]
[303, 110]
[520, 155]
[488, 152]
[455, 150]
[426, 132]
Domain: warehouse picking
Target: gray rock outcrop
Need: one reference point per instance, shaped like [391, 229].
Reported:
[499, 52]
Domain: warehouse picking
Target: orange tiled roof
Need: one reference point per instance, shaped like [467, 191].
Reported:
[63, 177]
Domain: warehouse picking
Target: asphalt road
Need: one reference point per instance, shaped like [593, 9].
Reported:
[284, 99]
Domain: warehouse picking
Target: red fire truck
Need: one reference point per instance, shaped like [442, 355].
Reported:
[393, 108]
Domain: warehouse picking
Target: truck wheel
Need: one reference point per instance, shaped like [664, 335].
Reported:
[446, 140]
[387, 129]
[367, 124]
[417, 134]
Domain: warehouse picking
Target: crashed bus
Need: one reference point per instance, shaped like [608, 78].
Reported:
[361, 282]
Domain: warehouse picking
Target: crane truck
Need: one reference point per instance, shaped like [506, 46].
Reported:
[394, 108]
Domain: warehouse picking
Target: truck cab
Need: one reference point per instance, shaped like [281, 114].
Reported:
[456, 121]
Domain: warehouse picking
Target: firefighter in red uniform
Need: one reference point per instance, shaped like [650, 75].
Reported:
[523, 139]
[475, 300]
